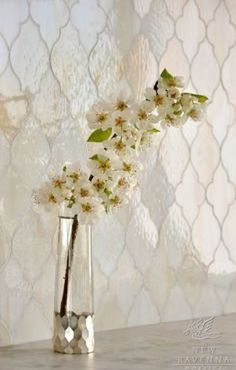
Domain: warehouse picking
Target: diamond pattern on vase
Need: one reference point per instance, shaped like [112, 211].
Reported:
[73, 333]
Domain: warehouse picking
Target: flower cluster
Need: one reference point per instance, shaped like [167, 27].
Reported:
[121, 128]
[73, 191]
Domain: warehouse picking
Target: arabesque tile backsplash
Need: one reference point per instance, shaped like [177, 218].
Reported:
[171, 253]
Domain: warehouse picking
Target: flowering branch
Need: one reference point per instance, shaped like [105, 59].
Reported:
[121, 129]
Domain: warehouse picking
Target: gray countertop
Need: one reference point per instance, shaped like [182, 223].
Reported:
[175, 345]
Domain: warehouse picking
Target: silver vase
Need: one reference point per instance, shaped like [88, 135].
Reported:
[73, 314]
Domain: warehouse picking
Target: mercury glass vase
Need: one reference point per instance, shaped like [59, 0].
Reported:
[73, 314]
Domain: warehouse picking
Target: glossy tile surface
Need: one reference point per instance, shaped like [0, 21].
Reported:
[171, 254]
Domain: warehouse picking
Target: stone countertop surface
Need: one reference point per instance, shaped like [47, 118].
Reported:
[189, 345]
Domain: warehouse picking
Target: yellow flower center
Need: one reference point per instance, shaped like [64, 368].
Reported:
[74, 176]
[122, 182]
[84, 192]
[115, 201]
[121, 105]
[102, 117]
[119, 145]
[142, 115]
[105, 165]
[99, 184]
[169, 119]
[58, 183]
[127, 167]
[158, 100]
[86, 207]
[119, 121]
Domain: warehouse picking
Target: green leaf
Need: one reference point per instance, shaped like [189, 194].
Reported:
[64, 169]
[153, 130]
[94, 157]
[200, 98]
[165, 74]
[107, 192]
[99, 135]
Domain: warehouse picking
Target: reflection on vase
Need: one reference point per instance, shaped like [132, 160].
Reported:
[73, 316]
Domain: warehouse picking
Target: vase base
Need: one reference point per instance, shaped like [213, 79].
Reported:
[73, 334]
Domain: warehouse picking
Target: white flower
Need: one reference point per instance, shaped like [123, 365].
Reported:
[175, 81]
[148, 139]
[99, 116]
[131, 136]
[120, 102]
[120, 121]
[173, 93]
[173, 120]
[106, 162]
[118, 145]
[47, 196]
[99, 183]
[89, 210]
[157, 99]
[131, 166]
[142, 117]
[84, 189]
[196, 112]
